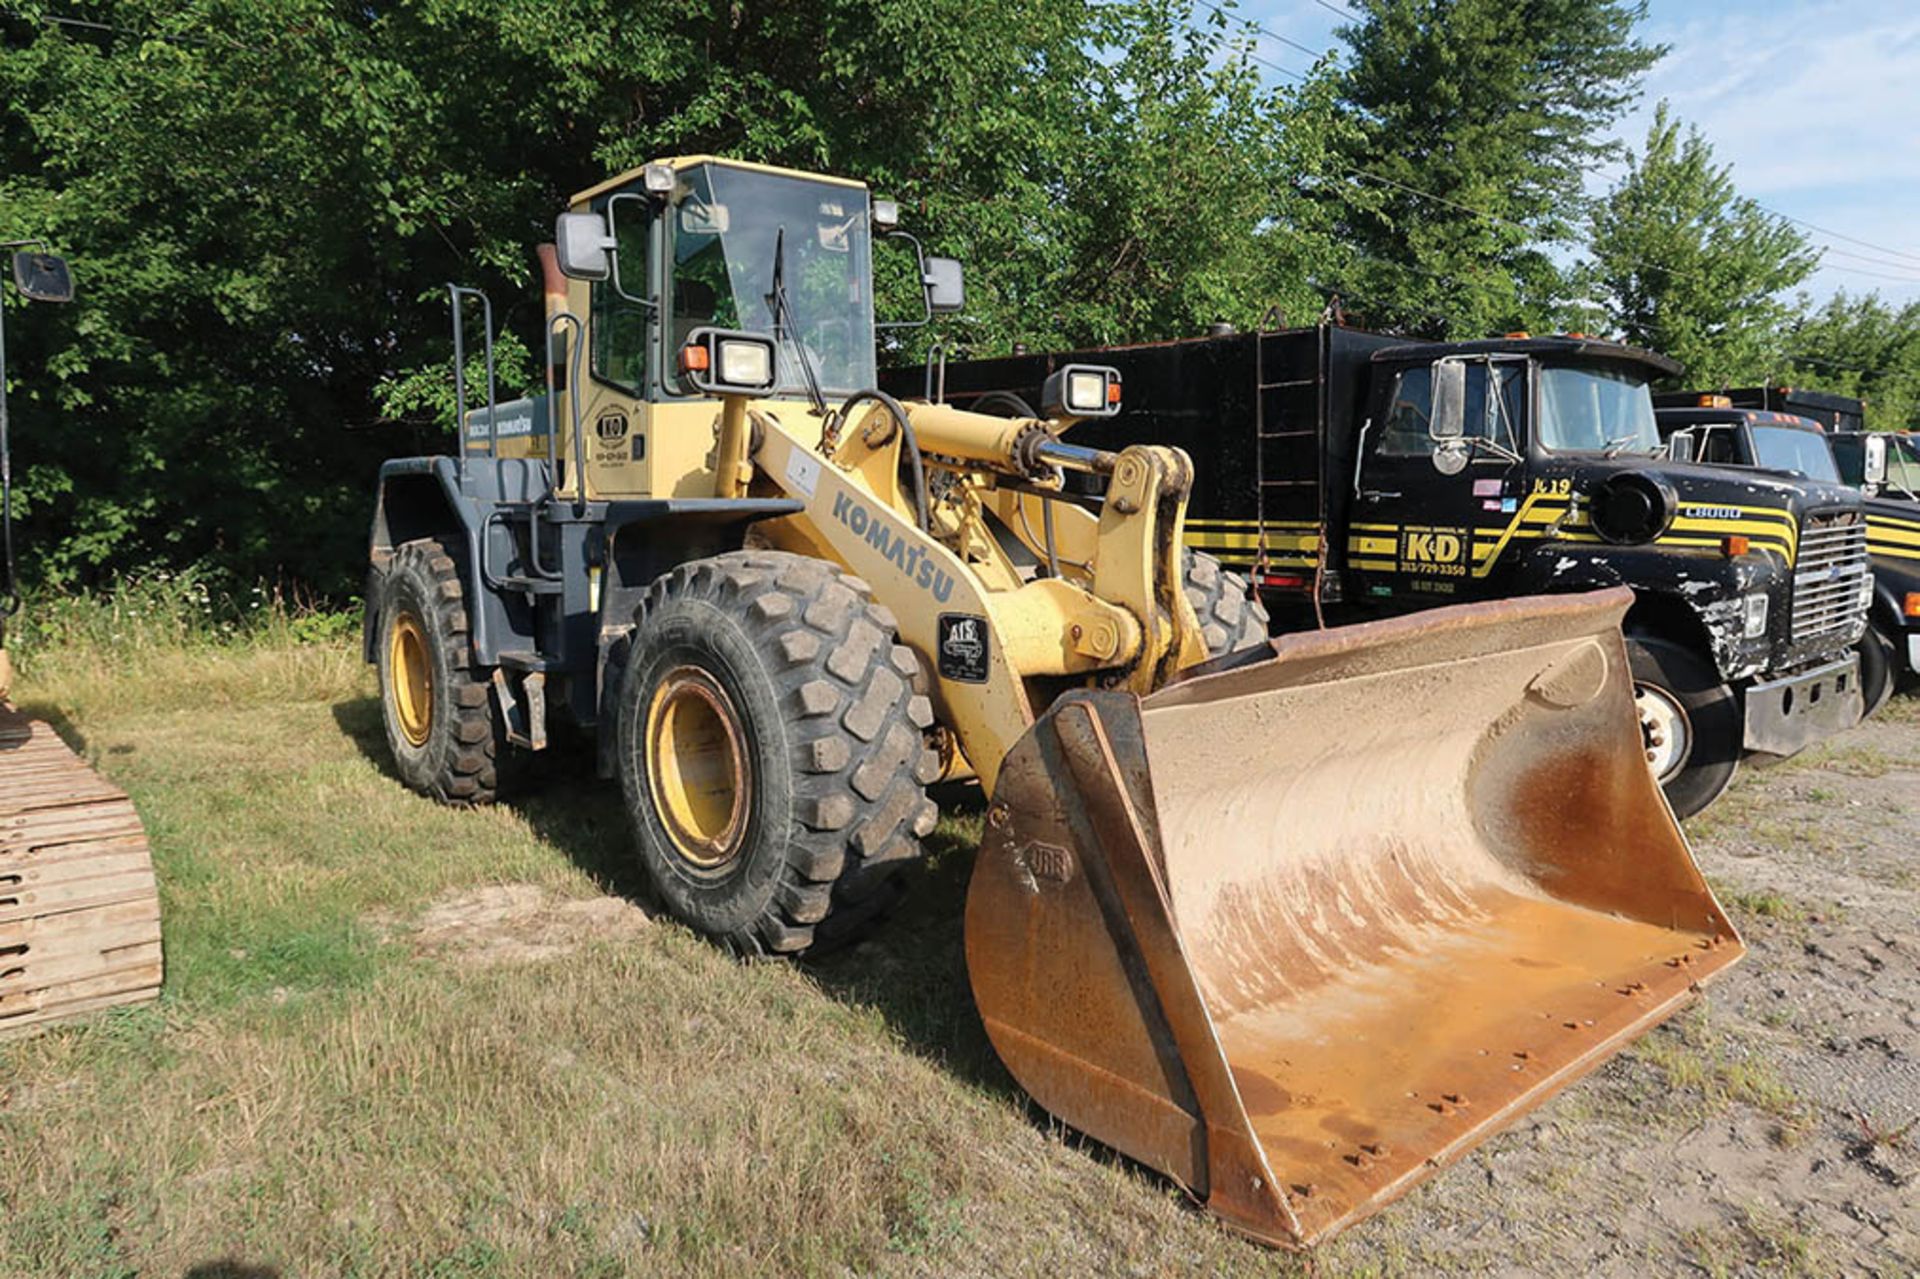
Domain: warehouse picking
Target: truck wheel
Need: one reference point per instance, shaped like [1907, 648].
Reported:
[772, 751]
[1877, 670]
[1689, 720]
[440, 721]
[1231, 617]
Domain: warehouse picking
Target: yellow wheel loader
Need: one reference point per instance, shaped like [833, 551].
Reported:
[79, 912]
[1293, 922]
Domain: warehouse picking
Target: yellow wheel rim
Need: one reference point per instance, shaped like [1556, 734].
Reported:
[410, 678]
[697, 767]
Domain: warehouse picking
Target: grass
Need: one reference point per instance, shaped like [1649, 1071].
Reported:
[1759, 1241]
[1712, 1071]
[320, 1091]
[317, 1094]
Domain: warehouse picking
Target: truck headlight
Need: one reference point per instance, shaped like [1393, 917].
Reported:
[1755, 617]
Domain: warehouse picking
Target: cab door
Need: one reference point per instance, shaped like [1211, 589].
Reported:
[1428, 513]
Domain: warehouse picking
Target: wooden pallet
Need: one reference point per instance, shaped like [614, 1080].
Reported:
[79, 911]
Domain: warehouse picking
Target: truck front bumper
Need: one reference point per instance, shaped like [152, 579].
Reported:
[1788, 715]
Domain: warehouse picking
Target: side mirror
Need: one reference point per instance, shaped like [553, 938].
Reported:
[1682, 447]
[42, 277]
[945, 290]
[1448, 418]
[584, 246]
[1874, 470]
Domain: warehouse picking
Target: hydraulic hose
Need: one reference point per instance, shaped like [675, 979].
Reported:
[1018, 407]
[899, 413]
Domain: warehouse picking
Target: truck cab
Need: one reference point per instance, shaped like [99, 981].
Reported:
[1359, 475]
[1724, 429]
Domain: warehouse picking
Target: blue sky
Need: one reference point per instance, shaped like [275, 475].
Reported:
[1815, 105]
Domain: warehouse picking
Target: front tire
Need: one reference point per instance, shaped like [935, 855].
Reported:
[1231, 615]
[1690, 721]
[1878, 669]
[440, 722]
[772, 751]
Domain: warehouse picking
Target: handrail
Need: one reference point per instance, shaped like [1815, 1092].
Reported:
[457, 294]
[574, 349]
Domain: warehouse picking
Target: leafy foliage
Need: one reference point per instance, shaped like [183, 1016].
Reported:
[263, 202]
[1475, 121]
[1687, 266]
[1861, 346]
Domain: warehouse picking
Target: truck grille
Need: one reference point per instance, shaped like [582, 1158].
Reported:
[1829, 592]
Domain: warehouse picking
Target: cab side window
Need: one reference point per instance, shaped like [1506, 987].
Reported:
[1404, 433]
[621, 354]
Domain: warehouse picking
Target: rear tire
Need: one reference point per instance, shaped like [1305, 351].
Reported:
[772, 751]
[437, 709]
[1878, 669]
[1231, 615]
[1678, 691]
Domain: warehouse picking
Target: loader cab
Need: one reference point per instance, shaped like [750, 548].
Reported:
[779, 263]
[710, 244]
[655, 258]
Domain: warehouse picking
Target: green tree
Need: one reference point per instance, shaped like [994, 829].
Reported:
[1860, 346]
[262, 199]
[1687, 266]
[1474, 122]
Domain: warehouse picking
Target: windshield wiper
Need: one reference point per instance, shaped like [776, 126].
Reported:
[1615, 447]
[784, 323]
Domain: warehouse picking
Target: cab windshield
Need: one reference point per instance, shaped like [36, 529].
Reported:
[1592, 408]
[1786, 448]
[733, 233]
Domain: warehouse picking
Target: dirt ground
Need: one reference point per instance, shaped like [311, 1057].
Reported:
[1771, 1128]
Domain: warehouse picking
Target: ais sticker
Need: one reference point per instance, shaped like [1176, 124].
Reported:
[963, 648]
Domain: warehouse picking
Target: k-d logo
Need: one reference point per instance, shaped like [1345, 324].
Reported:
[611, 428]
[1441, 551]
[963, 648]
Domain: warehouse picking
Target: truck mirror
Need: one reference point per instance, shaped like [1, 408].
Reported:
[584, 246]
[1682, 447]
[42, 277]
[1874, 471]
[945, 290]
[1447, 419]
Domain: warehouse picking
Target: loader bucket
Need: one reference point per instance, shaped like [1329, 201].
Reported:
[79, 914]
[1300, 932]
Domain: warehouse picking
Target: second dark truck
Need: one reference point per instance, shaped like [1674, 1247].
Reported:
[1356, 475]
[1821, 436]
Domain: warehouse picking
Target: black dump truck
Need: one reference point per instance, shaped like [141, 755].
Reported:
[1713, 427]
[1355, 475]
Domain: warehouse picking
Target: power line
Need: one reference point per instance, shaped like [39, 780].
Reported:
[1868, 258]
[1309, 50]
[1865, 244]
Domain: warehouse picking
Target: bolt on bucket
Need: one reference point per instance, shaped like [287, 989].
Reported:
[1300, 932]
